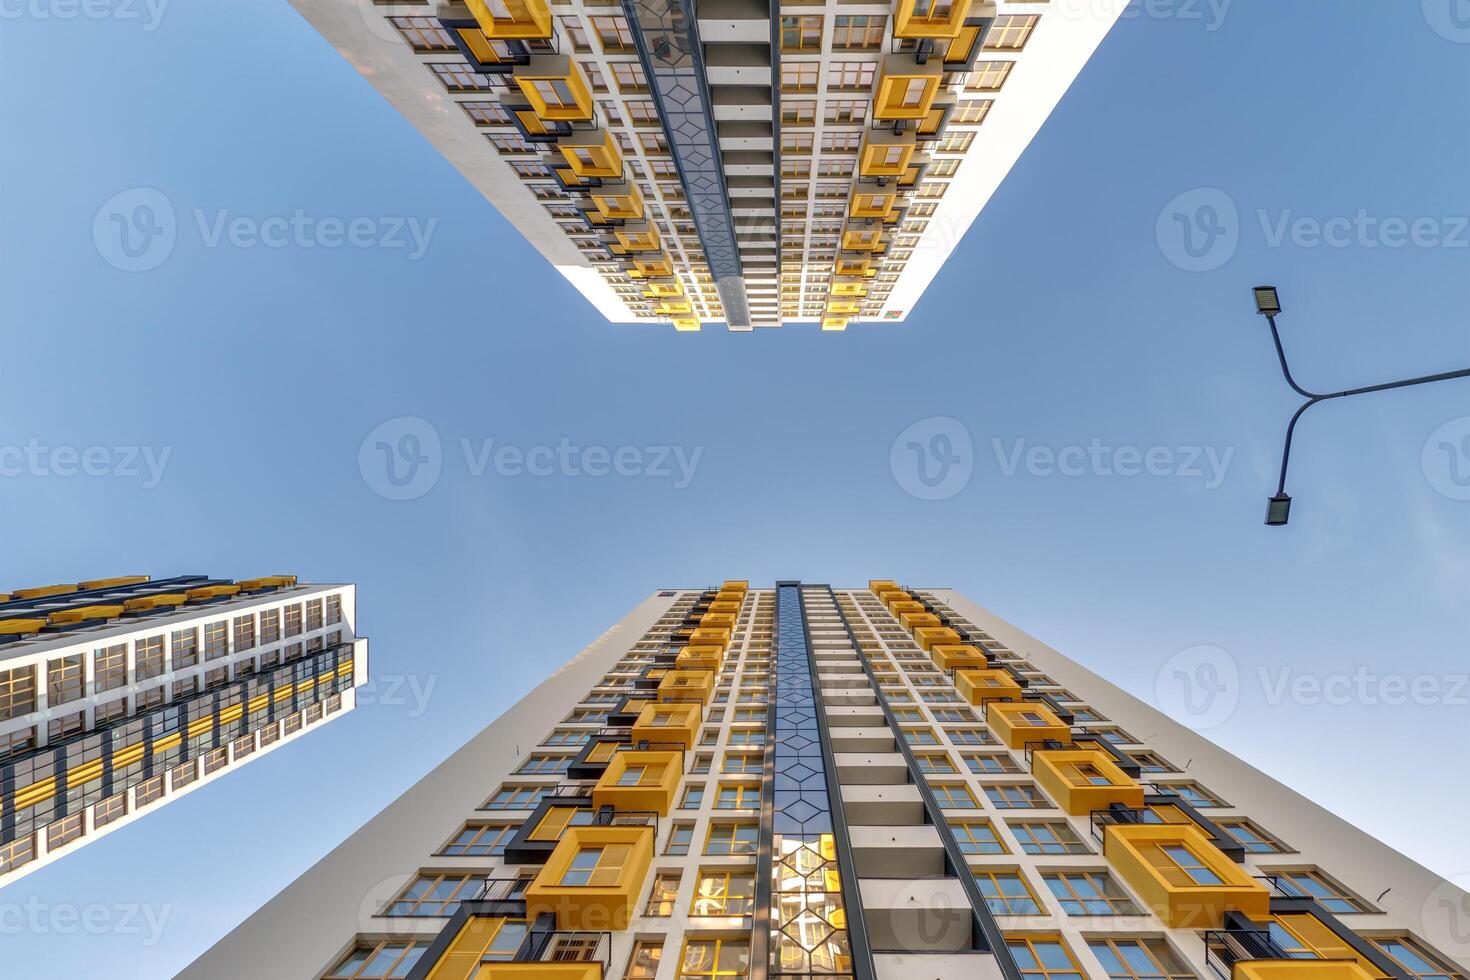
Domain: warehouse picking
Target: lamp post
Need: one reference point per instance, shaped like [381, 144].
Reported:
[1268, 304]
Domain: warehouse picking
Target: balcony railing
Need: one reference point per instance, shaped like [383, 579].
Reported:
[1226, 947]
[500, 890]
[568, 947]
[1103, 819]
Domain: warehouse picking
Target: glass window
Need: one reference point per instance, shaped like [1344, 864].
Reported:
[731, 838]
[1043, 958]
[724, 891]
[479, 839]
[1048, 837]
[389, 958]
[708, 959]
[1139, 959]
[1089, 893]
[977, 837]
[664, 894]
[1006, 893]
[1417, 959]
[434, 894]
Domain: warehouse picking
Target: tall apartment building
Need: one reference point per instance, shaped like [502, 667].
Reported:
[739, 160]
[885, 783]
[118, 695]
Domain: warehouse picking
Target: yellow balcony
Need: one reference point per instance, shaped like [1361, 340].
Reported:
[929, 18]
[672, 722]
[980, 687]
[736, 596]
[663, 290]
[20, 627]
[64, 617]
[700, 658]
[862, 240]
[509, 20]
[638, 236]
[687, 685]
[1302, 970]
[901, 603]
[651, 268]
[555, 88]
[44, 591]
[1022, 723]
[886, 154]
[637, 780]
[157, 601]
[728, 606]
[713, 637]
[592, 879]
[912, 619]
[869, 204]
[856, 267]
[108, 583]
[674, 307]
[211, 592]
[717, 621]
[592, 154]
[834, 322]
[930, 125]
[929, 636]
[843, 307]
[550, 970]
[736, 584]
[851, 287]
[878, 586]
[1181, 876]
[619, 201]
[957, 49]
[463, 958]
[266, 582]
[1083, 780]
[956, 656]
[686, 324]
[906, 89]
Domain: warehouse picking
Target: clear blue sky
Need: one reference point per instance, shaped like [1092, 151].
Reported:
[1060, 320]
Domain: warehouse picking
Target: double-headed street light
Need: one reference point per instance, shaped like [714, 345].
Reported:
[1268, 304]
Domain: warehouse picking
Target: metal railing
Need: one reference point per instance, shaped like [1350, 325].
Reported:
[561, 946]
[1226, 947]
[500, 890]
[1103, 819]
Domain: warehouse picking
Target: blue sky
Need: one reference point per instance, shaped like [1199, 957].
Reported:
[1063, 320]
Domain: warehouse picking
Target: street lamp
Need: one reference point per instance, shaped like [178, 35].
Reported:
[1268, 304]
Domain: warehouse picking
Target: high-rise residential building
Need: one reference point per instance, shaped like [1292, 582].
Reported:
[890, 783]
[118, 695]
[738, 160]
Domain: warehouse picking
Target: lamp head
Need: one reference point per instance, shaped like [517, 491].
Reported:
[1268, 303]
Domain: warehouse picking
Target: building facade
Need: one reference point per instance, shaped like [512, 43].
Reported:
[738, 160]
[801, 782]
[118, 695]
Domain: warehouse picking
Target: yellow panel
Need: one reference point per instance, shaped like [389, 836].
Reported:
[278, 581]
[44, 592]
[1006, 719]
[79, 613]
[834, 322]
[673, 722]
[862, 240]
[461, 960]
[211, 592]
[702, 657]
[18, 627]
[687, 685]
[686, 324]
[107, 583]
[592, 907]
[904, 93]
[956, 656]
[555, 88]
[554, 970]
[1133, 850]
[981, 686]
[156, 601]
[1056, 773]
[928, 636]
[929, 18]
[867, 204]
[912, 620]
[1301, 970]
[881, 585]
[527, 19]
[1313, 933]
[717, 621]
[622, 203]
[714, 637]
[659, 290]
[597, 156]
[656, 792]
[858, 288]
